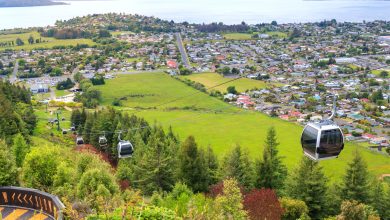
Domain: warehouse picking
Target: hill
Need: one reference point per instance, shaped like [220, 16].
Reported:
[216, 123]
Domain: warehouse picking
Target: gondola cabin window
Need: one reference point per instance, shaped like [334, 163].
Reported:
[309, 140]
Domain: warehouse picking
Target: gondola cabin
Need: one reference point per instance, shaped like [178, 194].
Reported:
[102, 141]
[125, 149]
[79, 141]
[322, 140]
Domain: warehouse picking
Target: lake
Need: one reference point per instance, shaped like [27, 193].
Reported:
[199, 11]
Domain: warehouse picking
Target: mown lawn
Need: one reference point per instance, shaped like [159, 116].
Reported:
[47, 42]
[212, 79]
[60, 93]
[237, 36]
[245, 36]
[219, 125]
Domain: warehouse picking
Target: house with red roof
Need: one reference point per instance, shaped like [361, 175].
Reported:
[368, 136]
[172, 64]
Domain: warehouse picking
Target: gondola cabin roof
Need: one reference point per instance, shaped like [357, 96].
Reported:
[323, 125]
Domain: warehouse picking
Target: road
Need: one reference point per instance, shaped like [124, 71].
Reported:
[13, 77]
[183, 52]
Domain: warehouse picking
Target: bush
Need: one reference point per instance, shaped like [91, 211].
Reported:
[67, 84]
[293, 209]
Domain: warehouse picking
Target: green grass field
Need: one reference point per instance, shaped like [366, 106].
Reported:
[60, 93]
[223, 125]
[237, 36]
[51, 42]
[378, 72]
[245, 36]
[212, 79]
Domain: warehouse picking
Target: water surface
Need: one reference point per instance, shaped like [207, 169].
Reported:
[204, 11]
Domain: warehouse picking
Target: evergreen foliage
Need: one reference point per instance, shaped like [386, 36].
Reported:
[309, 184]
[271, 172]
[356, 183]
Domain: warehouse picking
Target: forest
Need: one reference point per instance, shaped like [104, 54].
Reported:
[171, 179]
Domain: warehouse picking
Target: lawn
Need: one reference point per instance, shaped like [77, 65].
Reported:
[49, 42]
[237, 36]
[245, 36]
[277, 34]
[148, 90]
[212, 79]
[60, 93]
[219, 125]
[48, 132]
[378, 72]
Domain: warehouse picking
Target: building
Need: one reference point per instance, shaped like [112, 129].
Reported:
[172, 64]
[39, 88]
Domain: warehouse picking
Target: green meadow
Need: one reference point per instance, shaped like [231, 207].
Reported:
[246, 36]
[212, 79]
[237, 36]
[218, 124]
[48, 41]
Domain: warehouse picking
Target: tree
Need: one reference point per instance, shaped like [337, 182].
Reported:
[94, 181]
[192, 166]
[155, 170]
[230, 202]
[355, 186]
[66, 84]
[353, 210]
[384, 74]
[263, 204]
[309, 184]
[379, 200]
[231, 89]
[8, 171]
[1, 65]
[40, 166]
[212, 166]
[271, 173]
[378, 95]
[293, 208]
[19, 42]
[20, 149]
[237, 164]
[31, 39]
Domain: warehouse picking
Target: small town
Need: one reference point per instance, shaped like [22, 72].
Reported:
[127, 116]
[302, 65]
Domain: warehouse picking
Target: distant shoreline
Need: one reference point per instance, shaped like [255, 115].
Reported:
[29, 3]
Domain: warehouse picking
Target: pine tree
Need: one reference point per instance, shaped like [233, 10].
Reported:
[309, 184]
[192, 166]
[155, 171]
[238, 165]
[356, 186]
[271, 173]
[20, 149]
[88, 128]
[378, 201]
[212, 165]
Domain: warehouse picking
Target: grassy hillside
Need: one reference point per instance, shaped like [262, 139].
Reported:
[218, 124]
[49, 42]
[211, 79]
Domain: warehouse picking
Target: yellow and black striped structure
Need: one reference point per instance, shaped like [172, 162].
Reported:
[25, 204]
